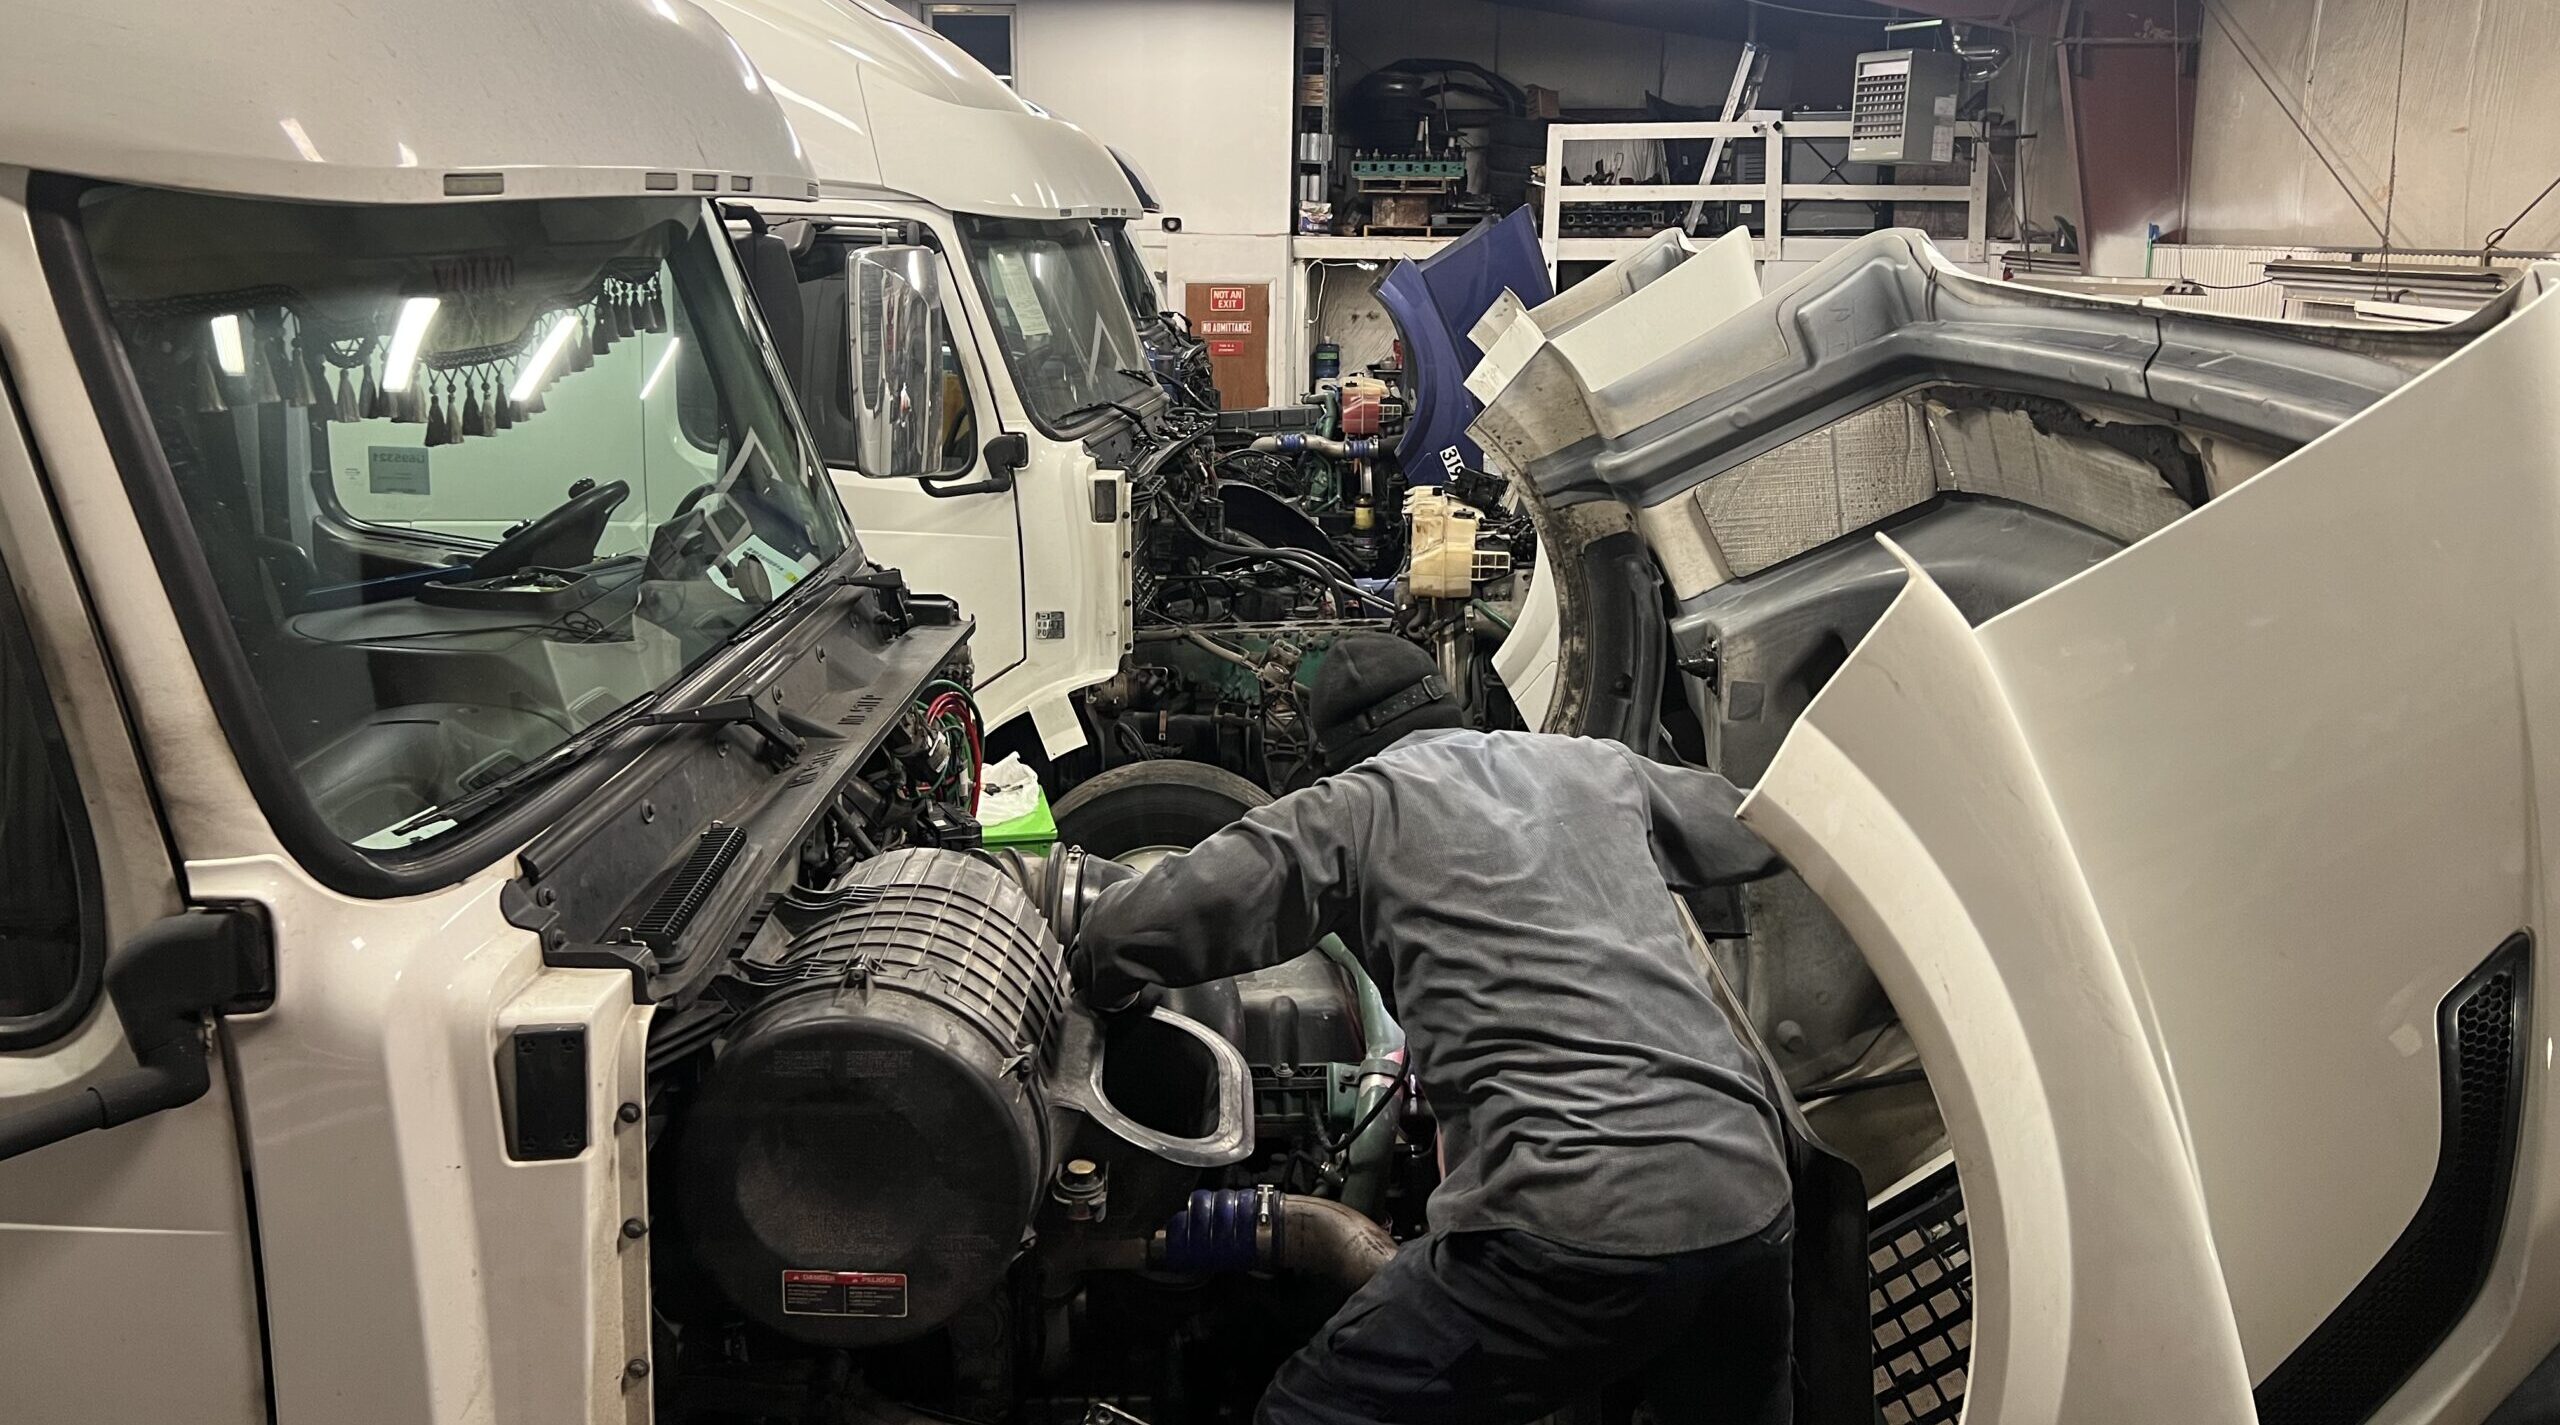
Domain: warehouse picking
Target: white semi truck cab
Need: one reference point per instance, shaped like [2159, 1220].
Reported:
[486, 937]
[1022, 513]
[400, 505]
[1154, 583]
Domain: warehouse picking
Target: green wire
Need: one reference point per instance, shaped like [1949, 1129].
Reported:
[1487, 610]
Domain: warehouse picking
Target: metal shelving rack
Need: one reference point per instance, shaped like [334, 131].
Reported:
[1317, 74]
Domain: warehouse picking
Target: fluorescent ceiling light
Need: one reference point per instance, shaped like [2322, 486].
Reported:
[531, 377]
[227, 348]
[402, 361]
[664, 360]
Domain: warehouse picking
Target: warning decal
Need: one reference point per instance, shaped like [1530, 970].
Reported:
[1226, 348]
[1226, 299]
[812, 1293]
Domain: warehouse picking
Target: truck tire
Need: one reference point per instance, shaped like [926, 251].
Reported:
[1153, 807]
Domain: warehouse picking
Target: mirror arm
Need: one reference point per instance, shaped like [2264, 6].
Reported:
[1005, 454]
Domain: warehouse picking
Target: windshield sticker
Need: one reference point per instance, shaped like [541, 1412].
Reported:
[395, 469]
[1021, 294]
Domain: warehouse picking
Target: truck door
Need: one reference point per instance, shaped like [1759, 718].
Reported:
[960, 533]
[127, 1279]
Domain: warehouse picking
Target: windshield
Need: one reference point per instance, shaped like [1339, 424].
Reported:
[1060, 314]
[1135, 283]
[468, 477]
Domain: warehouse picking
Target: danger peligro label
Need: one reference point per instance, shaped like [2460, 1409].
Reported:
[815, 1293]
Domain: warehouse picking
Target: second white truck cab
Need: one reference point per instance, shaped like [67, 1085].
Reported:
[1023, 515]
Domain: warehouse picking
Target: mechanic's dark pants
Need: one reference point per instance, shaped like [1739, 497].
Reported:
[1494, 1328]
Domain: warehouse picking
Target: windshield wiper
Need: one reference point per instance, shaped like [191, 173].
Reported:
[745, 709]
[550, 764]
[1073, 414]
[643, 711]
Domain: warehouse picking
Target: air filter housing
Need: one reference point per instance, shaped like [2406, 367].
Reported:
[866, 1154]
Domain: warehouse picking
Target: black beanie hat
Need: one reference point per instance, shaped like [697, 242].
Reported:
[1372, 689]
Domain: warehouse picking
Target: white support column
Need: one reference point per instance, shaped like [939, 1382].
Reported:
[1977, 204]
[1773, 215]
[1550, 228]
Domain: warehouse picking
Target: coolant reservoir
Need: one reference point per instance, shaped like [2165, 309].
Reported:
[1446, 562]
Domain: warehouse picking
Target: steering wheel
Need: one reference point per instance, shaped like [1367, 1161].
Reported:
[564, 538]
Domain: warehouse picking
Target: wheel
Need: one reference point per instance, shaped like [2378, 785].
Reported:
[1142, 812]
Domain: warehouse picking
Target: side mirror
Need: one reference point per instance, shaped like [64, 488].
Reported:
[896, 330]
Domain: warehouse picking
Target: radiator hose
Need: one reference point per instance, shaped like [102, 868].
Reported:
[1264, 1229]
[1365, 448]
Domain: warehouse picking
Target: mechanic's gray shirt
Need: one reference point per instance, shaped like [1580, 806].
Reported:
[1514, 890]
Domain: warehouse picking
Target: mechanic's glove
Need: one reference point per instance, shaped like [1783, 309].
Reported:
[1100, 980]
[1110, 1004]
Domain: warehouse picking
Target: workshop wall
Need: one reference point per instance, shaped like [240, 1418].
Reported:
[1594, 64]
[2305, 113]
[1199, 95]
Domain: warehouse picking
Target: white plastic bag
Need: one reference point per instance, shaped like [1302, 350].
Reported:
[1007, 790]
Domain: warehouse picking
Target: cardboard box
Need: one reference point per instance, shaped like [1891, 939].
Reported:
[1545, 103]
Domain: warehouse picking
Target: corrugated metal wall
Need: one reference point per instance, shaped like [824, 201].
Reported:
[2319, 121]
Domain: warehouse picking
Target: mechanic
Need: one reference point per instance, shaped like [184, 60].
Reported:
[1616, 1207]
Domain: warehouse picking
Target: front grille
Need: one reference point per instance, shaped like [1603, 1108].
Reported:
[1921, 1307]
[2405, 1307]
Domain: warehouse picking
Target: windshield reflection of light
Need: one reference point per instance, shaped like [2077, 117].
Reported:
[543, 355]
[660, 369]
[402, 359]
[227, 348]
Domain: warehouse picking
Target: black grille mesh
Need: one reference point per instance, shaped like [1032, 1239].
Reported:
[2413, 1297]
[1921, 1307]
[1922, 1303]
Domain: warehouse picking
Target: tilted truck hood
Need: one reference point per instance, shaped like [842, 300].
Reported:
[2205, 880]
[1662, 370]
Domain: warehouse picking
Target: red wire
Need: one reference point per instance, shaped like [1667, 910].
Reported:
[958, 707]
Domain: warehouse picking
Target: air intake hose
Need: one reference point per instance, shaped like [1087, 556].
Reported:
[1264, 1229]
[1367, 448]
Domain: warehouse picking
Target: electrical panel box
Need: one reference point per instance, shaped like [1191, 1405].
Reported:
[1902, 107]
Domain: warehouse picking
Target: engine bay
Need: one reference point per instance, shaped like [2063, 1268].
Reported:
[902, 1175]
[1263, 536]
